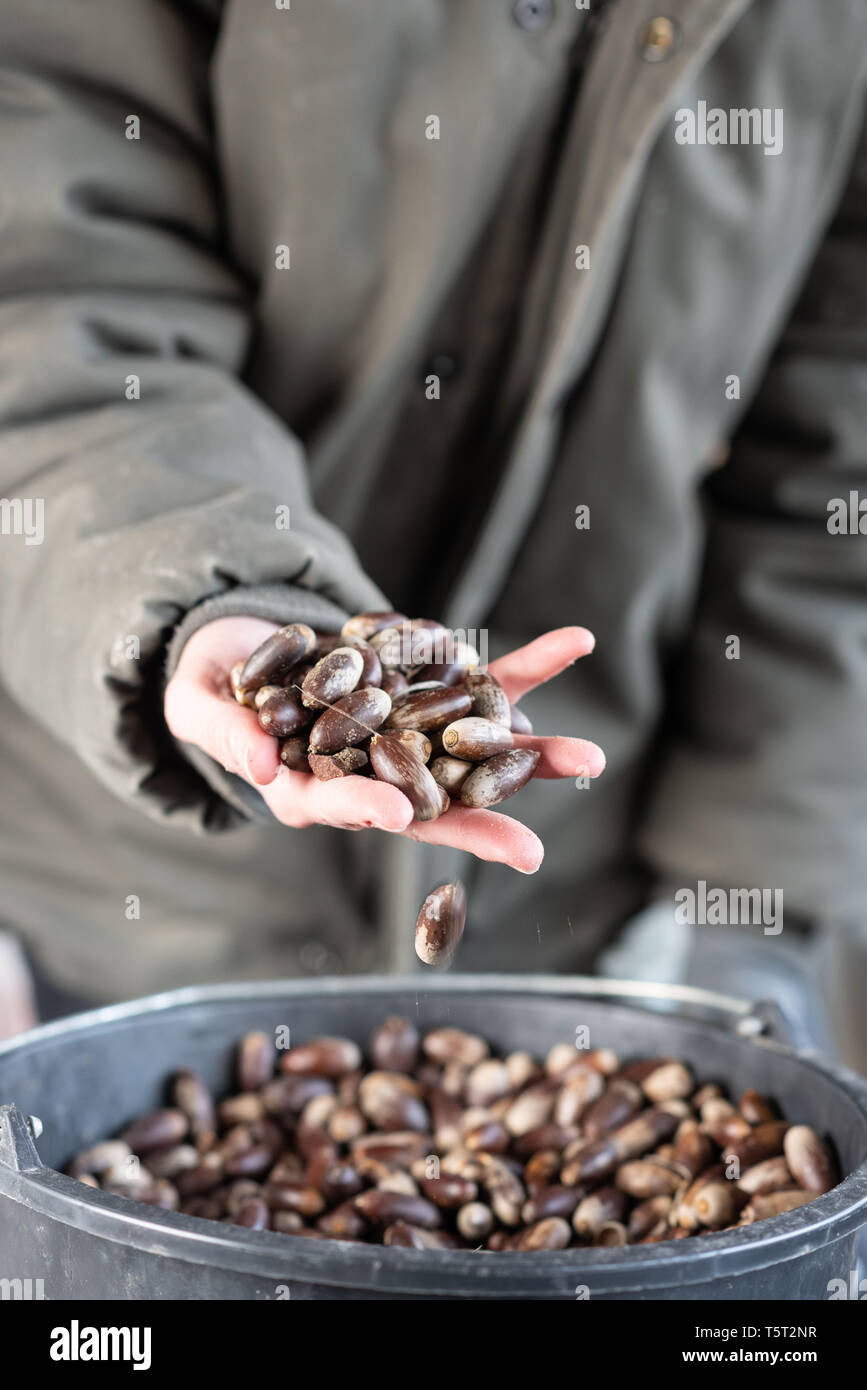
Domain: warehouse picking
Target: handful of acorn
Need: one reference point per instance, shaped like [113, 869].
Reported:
[404, 700]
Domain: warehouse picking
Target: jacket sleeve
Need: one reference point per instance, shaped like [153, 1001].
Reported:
[765, 780]
[140, 478]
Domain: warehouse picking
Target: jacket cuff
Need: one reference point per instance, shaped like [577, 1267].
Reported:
[277, 603]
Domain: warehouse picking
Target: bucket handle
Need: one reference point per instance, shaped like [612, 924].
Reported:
[17, 1133]
[747, 1018]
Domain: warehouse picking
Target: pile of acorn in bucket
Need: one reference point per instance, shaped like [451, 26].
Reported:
[435, 1142]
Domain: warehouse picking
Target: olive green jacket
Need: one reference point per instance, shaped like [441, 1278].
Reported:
[235, 251]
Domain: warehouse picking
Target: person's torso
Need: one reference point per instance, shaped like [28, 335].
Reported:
[384, 250]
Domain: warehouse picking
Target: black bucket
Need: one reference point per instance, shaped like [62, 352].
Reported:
[85, 1077]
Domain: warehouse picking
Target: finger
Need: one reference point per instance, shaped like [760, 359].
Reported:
[230, 733]
[564, 757]
[486, 834]
[527, 667]
[354, 803]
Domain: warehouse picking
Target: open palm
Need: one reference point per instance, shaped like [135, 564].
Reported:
[200, 709]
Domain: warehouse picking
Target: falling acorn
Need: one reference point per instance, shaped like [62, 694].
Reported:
[440, 923]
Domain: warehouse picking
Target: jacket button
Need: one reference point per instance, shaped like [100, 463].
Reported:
[441, 364]
[717, 455]
[658, 39]
[532, 15]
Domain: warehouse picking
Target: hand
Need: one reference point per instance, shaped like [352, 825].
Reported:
[200, 709]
